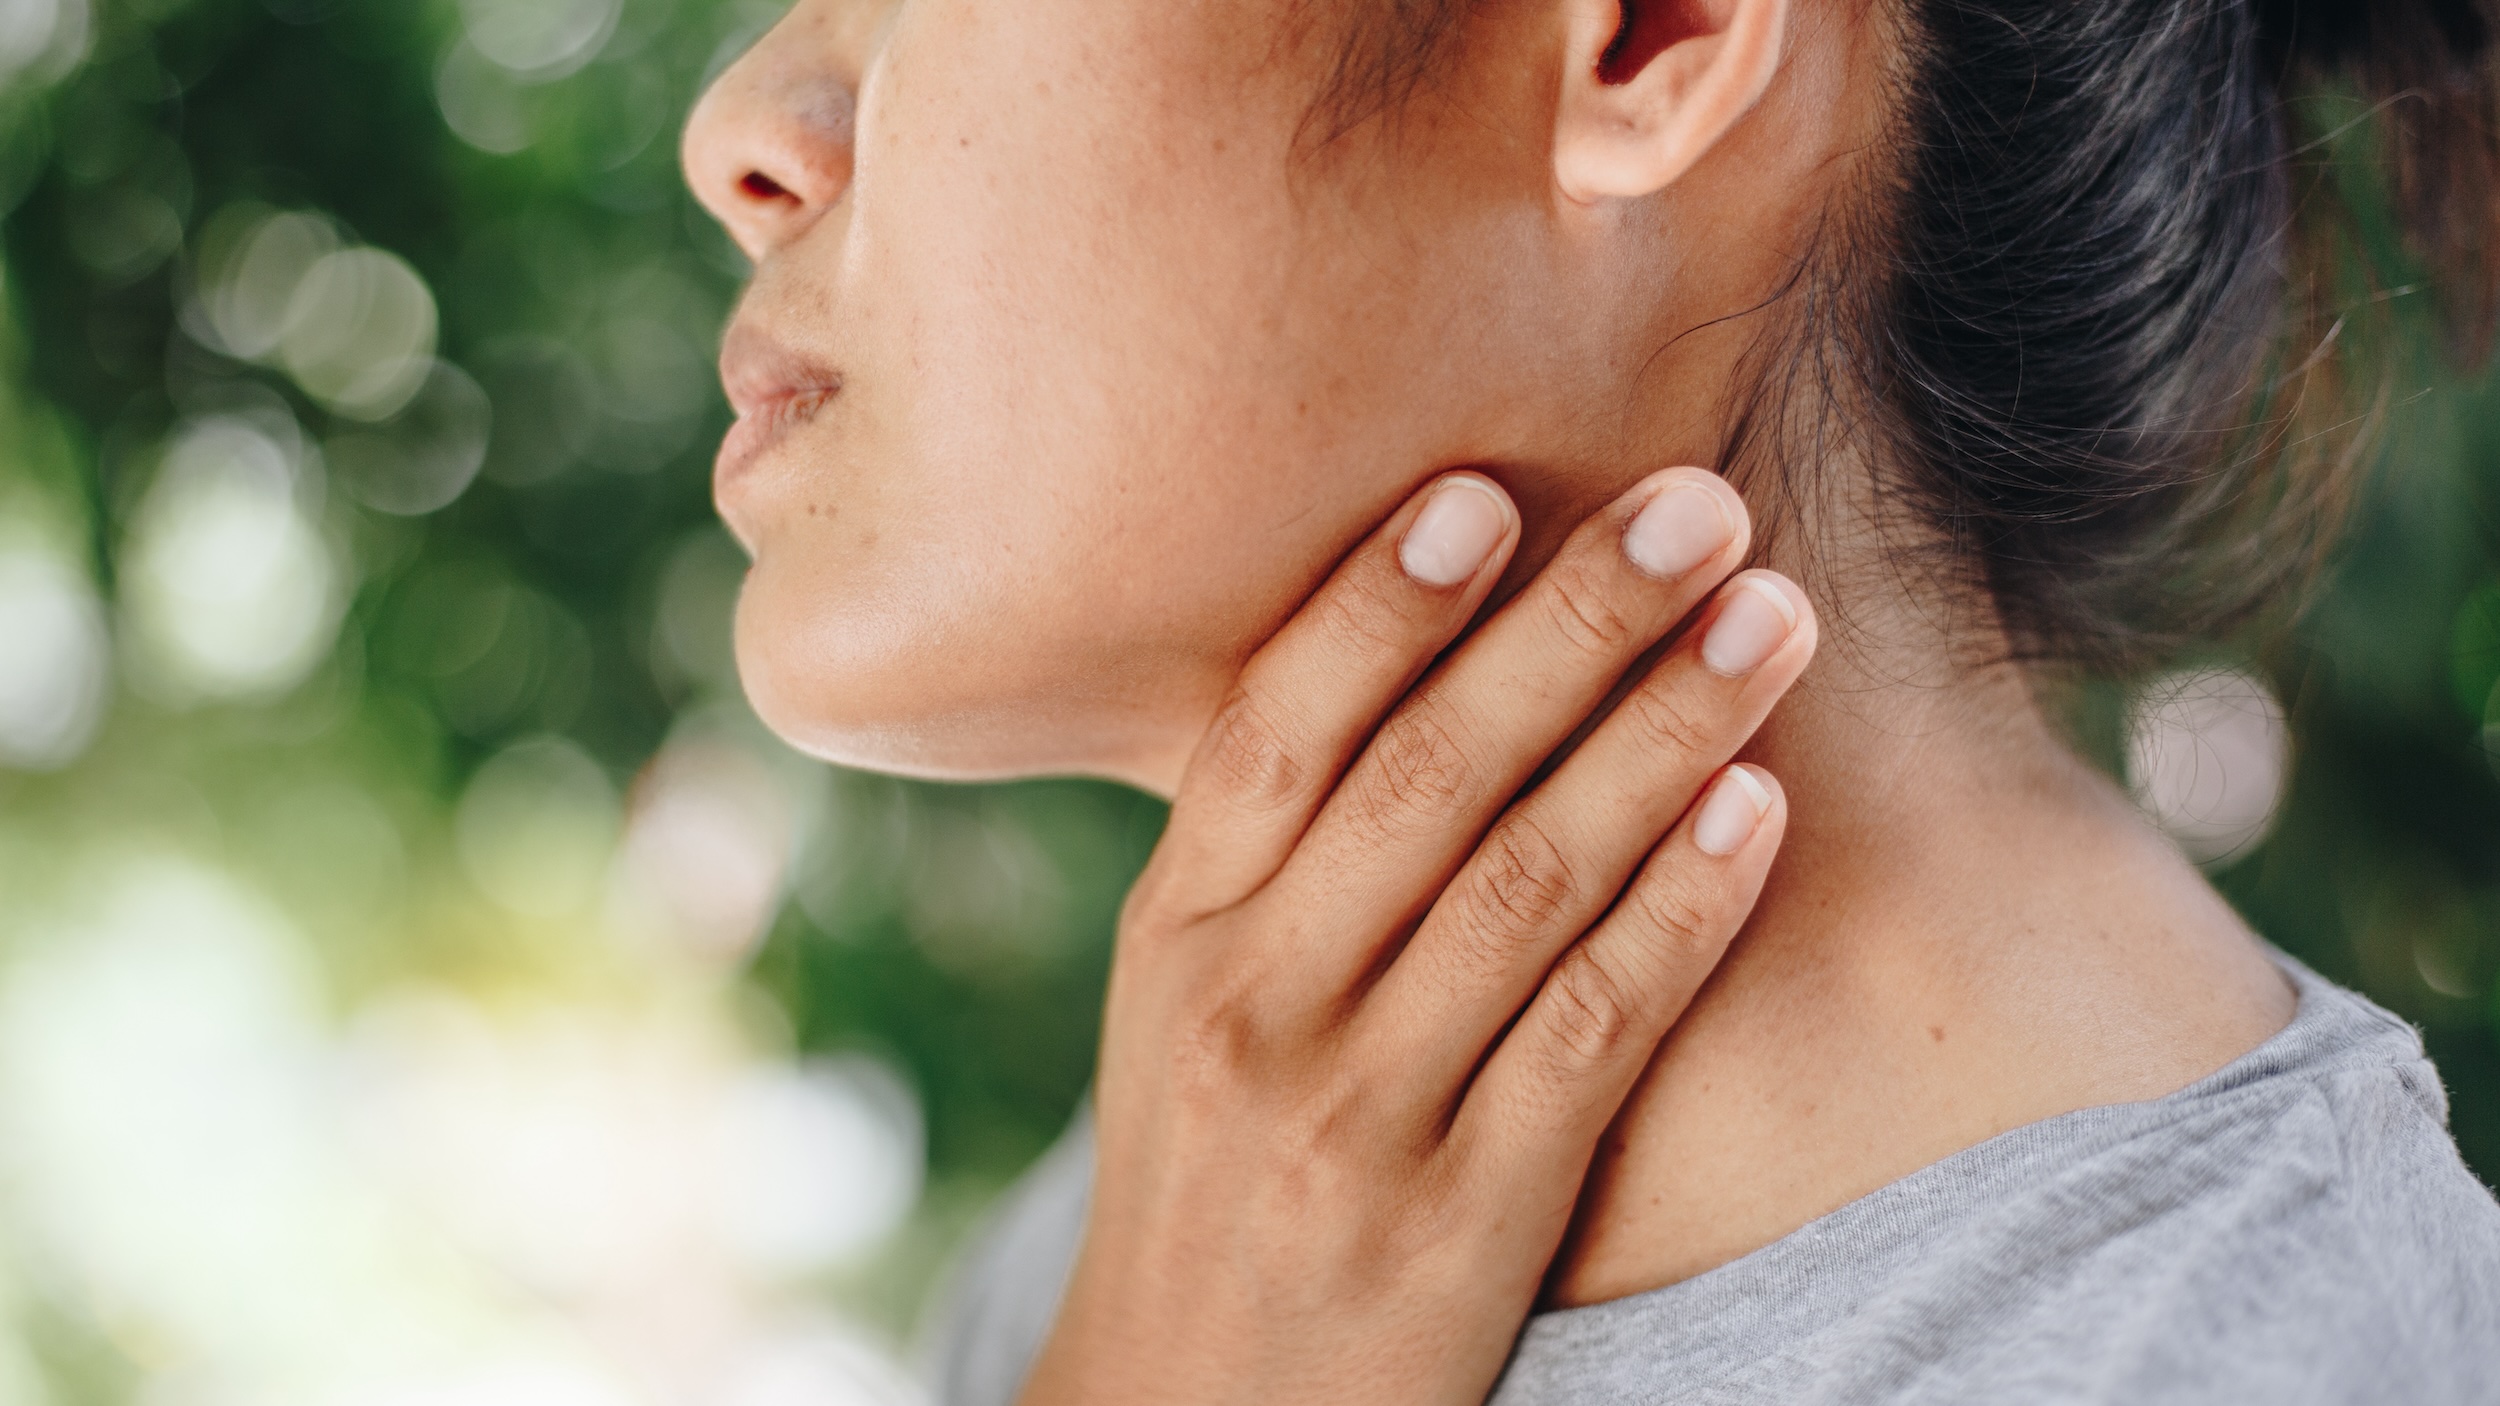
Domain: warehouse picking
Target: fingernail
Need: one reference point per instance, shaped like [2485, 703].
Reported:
[1731, 813]
[1756, 620]
[1679, 530]
[1454, 534]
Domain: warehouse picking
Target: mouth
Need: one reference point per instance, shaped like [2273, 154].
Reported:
[774, 390]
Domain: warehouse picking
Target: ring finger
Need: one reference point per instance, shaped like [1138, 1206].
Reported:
[1557, 860]
[1414, 804]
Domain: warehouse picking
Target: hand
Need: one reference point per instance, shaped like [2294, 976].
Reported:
[1372, 1007]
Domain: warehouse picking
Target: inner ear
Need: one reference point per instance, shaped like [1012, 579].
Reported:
[1648, 27]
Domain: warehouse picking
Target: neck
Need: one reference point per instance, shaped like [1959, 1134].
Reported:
[1968, 931]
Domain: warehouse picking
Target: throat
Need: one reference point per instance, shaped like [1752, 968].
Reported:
[1964, 935]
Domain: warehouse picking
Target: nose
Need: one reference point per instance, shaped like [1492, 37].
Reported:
[769, 149]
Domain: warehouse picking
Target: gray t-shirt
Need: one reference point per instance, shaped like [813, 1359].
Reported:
[2295, 1228]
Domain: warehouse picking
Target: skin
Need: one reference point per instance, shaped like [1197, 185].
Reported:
[1085, 403]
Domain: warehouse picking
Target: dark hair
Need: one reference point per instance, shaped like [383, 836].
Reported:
[2094, 312]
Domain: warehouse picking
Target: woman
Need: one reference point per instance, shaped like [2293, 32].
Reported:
[1265, 402]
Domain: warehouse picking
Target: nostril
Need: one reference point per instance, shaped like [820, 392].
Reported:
[763, 187]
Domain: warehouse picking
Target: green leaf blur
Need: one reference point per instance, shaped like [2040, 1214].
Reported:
[387, 331]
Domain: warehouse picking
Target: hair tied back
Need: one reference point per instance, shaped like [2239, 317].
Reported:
[2341, 34]
[2428, 69]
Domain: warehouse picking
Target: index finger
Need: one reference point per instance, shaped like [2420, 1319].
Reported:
[1459, 749]
[1308, 699]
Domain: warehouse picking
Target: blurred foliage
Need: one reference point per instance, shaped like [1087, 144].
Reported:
[579, 588]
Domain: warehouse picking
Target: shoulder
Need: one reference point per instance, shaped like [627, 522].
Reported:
[2303, 1230]
[2297, 1228]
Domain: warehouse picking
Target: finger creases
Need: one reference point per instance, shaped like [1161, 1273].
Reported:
[1564, 1067]
[1308, 699]
[1562, 856]
[1412, 806]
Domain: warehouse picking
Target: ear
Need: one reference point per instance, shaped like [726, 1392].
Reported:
[1650, 85]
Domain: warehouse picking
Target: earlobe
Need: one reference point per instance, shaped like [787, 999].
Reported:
[1649, 86]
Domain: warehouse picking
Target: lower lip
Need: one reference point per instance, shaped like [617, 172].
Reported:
[760, 429]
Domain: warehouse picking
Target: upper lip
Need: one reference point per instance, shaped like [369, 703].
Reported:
[764, 377]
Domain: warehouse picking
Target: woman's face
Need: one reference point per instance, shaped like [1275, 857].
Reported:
[1070, 366]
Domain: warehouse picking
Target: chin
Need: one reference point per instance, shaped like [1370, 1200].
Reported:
[960, 711]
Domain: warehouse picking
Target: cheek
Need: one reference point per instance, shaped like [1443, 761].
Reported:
[1045, 615]
[1093, 444]
[1046, 240]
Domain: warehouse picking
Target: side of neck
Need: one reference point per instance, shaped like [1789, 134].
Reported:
[1969, 930]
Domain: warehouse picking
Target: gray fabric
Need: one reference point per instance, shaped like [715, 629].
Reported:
[2296, 1228]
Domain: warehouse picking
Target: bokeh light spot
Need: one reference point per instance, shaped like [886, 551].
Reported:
[539, 39]
[424, 458]
[229, 590]
[43, 36]
[360, 333]
[537, 827]
[483, 105]
[54, 655]
[2207, 756]
[819, 1164]
[708, 847]
[122, 233]
[251, 263]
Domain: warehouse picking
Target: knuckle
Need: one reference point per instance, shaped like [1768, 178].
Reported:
[1667, 721]
[1523, 884]
[1434, 1222]
[1359, 615]
[1675, 921]
[1585, 614]
[1590, 1007]
[1418, 767]
[1149, 911]
[1251, 756]
[1217, 1038]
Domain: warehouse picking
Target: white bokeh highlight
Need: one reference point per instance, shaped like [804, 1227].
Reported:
[539, 39]
[55, 656]
[360, 332]
[815, 1166]
[43, 38]
[424, 457]
[706, 858]
[354, 326]
[162, 1110]
[2208, 758]
[537, 827]
[444, 1200]
[229, 588]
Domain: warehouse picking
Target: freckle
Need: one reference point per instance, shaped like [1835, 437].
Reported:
[963, 141]
[1936, 1033]
[1219, 146]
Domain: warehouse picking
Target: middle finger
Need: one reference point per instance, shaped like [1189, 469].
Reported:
[1445, 763]
[1558, 858]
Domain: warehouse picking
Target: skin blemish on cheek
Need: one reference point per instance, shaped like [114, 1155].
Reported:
[1936, 1033]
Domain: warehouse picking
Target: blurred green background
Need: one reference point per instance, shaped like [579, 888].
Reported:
[421, 980]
